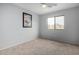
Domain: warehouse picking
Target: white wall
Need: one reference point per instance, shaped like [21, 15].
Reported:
[11, 30]
[70, 33]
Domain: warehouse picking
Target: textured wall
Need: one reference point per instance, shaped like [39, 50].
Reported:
[11, 30]
[71, 31]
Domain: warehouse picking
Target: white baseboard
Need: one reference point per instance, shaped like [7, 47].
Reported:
[18, 43]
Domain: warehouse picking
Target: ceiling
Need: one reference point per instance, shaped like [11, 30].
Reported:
[37, 8]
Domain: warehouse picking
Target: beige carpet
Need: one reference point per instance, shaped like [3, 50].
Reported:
[41, 47]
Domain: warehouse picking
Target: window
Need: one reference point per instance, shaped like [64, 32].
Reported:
[60, 22]
[51, 23]
[56, 22]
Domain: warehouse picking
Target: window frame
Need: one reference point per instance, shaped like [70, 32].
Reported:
[55, 22]
[48, 24]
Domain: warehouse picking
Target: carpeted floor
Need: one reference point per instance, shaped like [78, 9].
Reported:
[42, 47]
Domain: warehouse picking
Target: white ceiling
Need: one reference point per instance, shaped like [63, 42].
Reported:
[36, 7]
